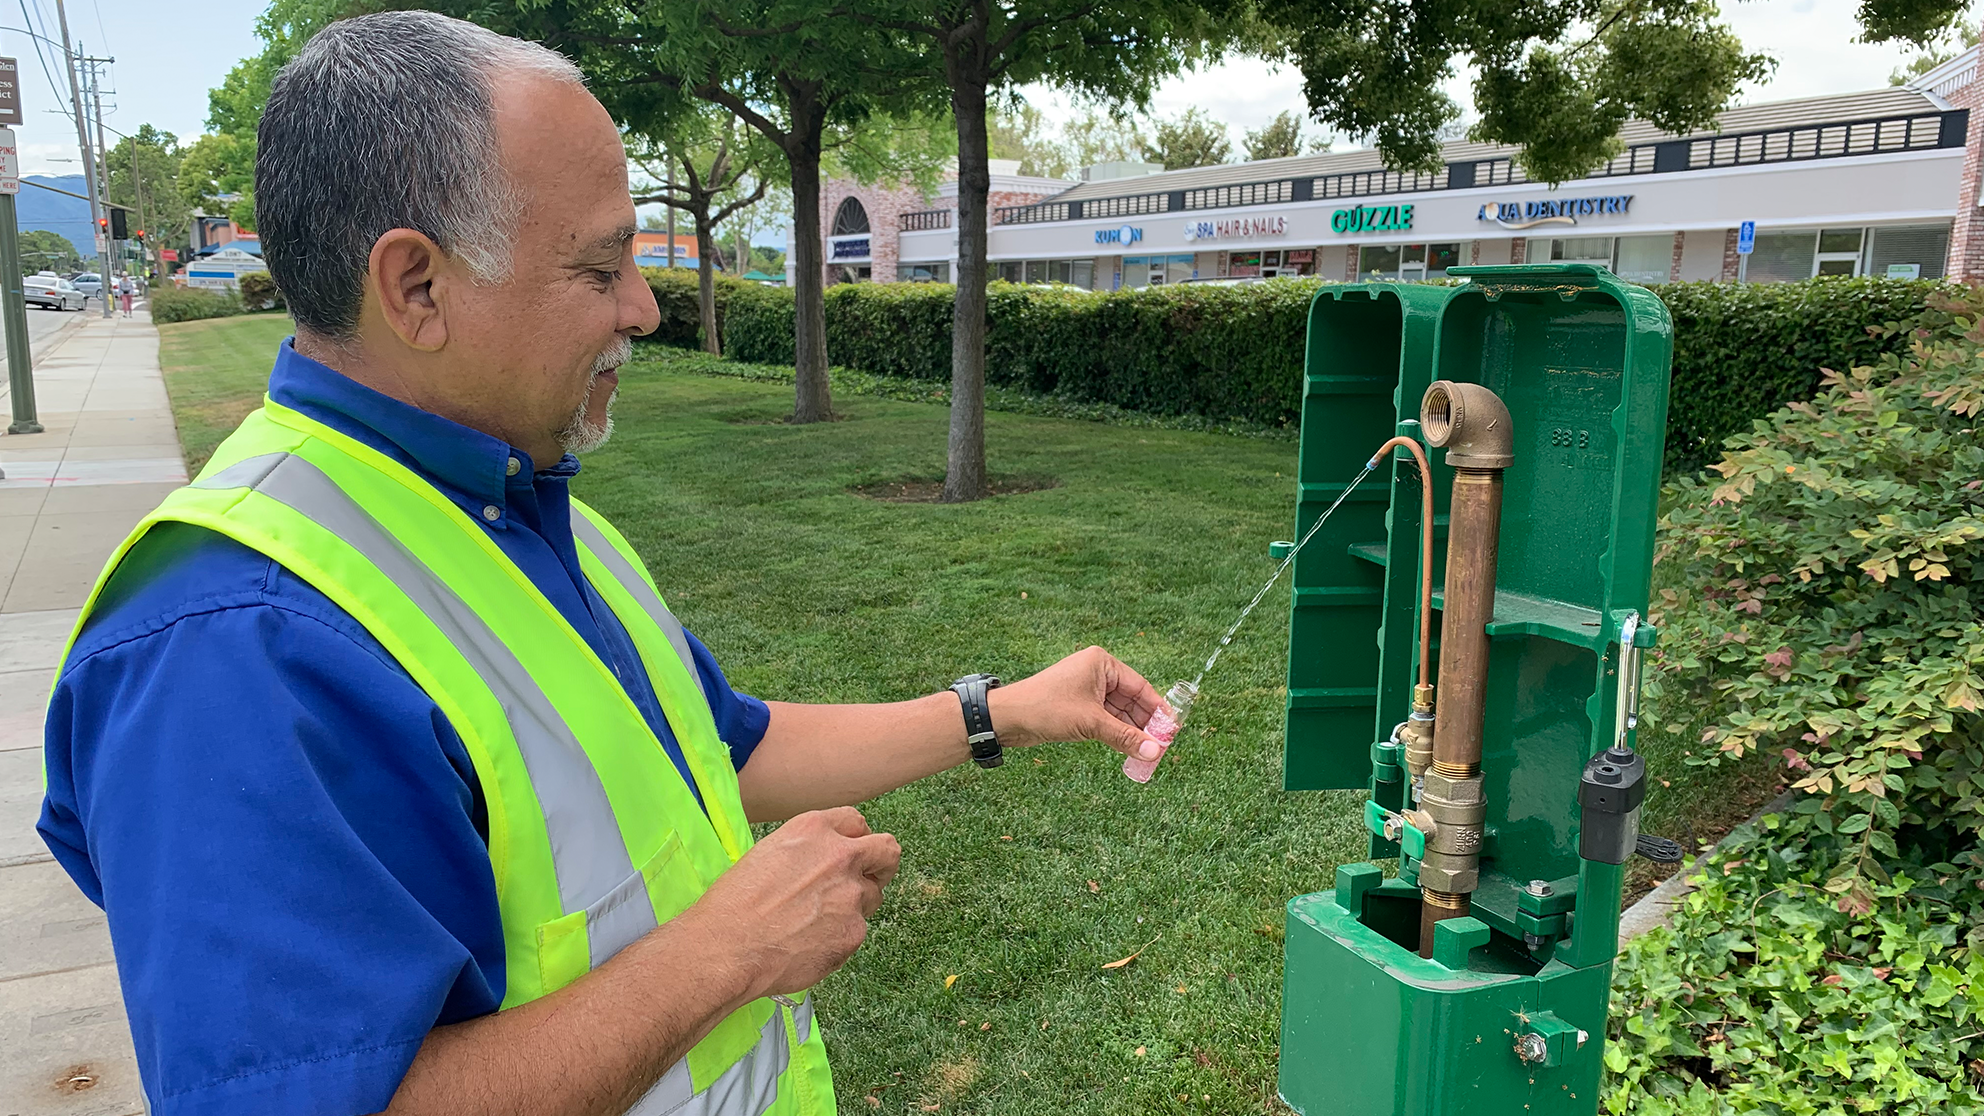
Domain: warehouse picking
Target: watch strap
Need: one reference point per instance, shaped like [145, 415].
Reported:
[983, 739]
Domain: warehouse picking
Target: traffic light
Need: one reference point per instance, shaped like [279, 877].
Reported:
[118, 223]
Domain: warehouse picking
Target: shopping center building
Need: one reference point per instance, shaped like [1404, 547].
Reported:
[1875, 183]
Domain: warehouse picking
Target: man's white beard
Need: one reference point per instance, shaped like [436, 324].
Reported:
[581, 434]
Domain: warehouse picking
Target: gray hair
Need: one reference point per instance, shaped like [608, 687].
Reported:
[386, 122]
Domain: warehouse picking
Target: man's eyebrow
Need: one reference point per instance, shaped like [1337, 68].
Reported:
[612, 242]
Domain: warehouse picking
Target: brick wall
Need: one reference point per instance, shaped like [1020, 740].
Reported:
[1674, 269]
[1966, 258]
[885, 205]
[1519, 250]
[1731, 261]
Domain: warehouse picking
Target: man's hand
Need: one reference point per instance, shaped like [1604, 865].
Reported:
[1090, 695]
[799, 902]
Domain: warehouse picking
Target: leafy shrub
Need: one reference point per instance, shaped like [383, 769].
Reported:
[1742, 350]
[189, 304]
[1764, 997]
[677, 296]
[758, 327]
[1235, 353]
[259, 291]
[1828, 603]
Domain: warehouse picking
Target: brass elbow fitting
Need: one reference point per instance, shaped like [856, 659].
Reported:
[1471, 422]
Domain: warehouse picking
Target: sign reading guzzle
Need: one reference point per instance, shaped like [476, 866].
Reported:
[1372, 218]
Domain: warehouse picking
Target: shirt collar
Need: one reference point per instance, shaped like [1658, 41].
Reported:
[472, 467]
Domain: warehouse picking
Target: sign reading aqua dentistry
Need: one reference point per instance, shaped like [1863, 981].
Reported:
[1128, 234]
[1372, 218]
[1236, 227]
[1553, 211]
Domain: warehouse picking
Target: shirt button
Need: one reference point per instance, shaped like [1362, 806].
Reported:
[492, 513]
[511, 469]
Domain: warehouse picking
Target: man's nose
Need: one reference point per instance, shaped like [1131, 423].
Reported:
[638, 310]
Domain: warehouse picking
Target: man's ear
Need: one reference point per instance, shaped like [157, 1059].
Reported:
[402, 274]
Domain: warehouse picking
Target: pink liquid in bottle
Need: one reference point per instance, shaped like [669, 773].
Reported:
[1163, 727]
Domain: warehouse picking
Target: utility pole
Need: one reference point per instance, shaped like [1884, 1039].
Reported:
[103, 175]
[83, 142]
[670, 211]
[20, 363]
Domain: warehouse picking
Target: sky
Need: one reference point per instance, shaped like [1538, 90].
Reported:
[169, 55]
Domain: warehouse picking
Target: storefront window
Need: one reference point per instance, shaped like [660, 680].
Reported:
[1582, 249]
[1787, 256]
[1244, 265]
[1170, 269]
[1378, 261]
[1644, 259]
[1839, 251]
[1908, 251]
[939, 272]
[848, 273]
[1080, 273]
[1406, 262]
[1298, 261]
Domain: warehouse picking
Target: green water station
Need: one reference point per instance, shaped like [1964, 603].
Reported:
[1480, 681]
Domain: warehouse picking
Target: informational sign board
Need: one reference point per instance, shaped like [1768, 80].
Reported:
[169, 255]
[10, 92]
[1905, 271]
[1746, 238]
[10, 163]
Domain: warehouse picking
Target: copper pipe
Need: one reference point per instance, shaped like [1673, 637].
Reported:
[1473, 533]
[1474, 426]
[1425, 553]
[1435, 907]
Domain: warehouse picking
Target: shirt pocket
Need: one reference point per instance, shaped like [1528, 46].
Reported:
[664, 887]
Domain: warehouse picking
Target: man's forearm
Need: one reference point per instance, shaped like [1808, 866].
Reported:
[591, 1048]
[817, 756]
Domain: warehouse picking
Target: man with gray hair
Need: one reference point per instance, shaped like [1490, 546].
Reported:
[401, 787]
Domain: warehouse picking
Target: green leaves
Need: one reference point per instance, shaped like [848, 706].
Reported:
[1764, 996]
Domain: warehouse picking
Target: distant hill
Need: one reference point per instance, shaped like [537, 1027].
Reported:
[39, 209]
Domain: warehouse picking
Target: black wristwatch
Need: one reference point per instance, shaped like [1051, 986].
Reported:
[978, 731]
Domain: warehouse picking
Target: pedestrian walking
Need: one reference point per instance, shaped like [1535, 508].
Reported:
[125, 289]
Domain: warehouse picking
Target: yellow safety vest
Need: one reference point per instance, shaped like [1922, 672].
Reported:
[594, 837]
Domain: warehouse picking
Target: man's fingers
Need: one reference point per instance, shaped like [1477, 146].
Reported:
[877, 856]
[1127, 739]
[847, 821]
[1131, 692]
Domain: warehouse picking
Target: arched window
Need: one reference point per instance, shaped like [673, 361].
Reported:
[850, 218]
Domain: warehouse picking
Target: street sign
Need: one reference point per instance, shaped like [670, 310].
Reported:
[10, 92]
[1746, 238]
[10, 163]
[169, 255]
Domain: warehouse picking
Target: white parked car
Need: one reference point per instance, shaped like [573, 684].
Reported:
[88, 282]
[51, 292]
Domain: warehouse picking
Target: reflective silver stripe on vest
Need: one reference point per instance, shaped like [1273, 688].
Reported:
[595, 873]
[630, 578]
[745, 1089]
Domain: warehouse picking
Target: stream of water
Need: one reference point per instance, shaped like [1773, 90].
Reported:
[1279, 570]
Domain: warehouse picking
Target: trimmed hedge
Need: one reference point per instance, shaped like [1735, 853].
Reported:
[1742, 351]
[1235, 353]
[190, 304]
[676, 295]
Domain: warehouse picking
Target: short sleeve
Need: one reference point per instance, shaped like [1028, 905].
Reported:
[282, 830]
[741, 720]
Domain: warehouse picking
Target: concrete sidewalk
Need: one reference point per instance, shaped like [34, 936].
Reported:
[109, 454]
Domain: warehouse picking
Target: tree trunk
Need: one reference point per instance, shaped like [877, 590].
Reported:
[812, 395]
[706, 282]
[964, 472]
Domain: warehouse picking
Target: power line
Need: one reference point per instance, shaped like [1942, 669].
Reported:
[36, 43]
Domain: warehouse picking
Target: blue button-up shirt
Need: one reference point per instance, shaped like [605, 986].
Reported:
[287, 835]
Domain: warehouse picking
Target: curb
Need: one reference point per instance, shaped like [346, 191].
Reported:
[1655, 906]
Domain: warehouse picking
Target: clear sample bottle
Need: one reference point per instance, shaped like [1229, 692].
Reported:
[1163, 727]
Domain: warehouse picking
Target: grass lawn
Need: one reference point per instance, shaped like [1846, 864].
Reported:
[1021, 882]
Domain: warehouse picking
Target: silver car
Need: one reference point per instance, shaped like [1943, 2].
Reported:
[51, 293]
[88, 282]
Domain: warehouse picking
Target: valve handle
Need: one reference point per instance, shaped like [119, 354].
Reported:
[1660, 850]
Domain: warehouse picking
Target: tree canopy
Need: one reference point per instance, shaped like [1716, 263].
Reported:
[1192, 140]
[1555, 78]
